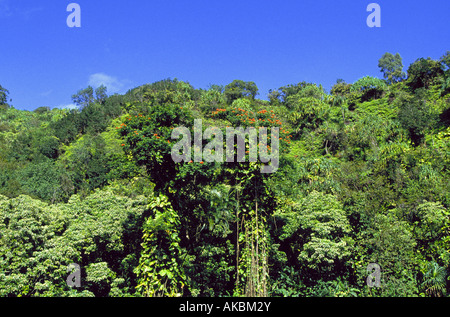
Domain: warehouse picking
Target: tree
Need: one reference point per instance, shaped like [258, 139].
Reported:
[318, 230]
[3, 98]
[67, 128]
[240, 89]
[392, 67]
[47, 145]
[212, 99]
[445, 61]
[42, 110]
[423, 73]
[45, 181]
[391, 245]
[84, 98]
[147, 140]
[159, 271]
[306, 112]
[112, 106]
[105, 192]
[434, 280]
[100, 94]
[92, 119]
[87, 163]
[341, 88]
[26, 227]
[431, 218]
[88, 96]
[303, 88]
[369, 88]
[415, 116]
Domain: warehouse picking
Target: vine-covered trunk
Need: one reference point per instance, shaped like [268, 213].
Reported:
[252, 254]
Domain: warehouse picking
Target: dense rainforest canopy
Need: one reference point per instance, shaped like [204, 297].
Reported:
[363, 178]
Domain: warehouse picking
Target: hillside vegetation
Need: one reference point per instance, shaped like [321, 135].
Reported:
[363, 177]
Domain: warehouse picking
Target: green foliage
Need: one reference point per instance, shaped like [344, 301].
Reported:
[369, 87]
[392, 67]
[100, 94]
[89, 96]
[84, 98]
[147, 139]
[391, 245]
[307, 112]
[423, 73]
[66, 128]
[25, 227]
[163, 92]
[48, 146]
[212, 99]
[341, 88]
[431, 218]
[99, 278]
[87, 163]
[415, 116]
[46, 181]
[435, 280]
[3, 98]
[319, 231]
[303, 89]
[39, 241]
[445, 60]
[159, 270]
[445, 89]
[363, 178]
[288, 284]
[334, 288]
[240, 89]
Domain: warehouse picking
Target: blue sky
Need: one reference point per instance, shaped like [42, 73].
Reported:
[124, 44]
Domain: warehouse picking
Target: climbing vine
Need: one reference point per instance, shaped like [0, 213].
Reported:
[159, 270]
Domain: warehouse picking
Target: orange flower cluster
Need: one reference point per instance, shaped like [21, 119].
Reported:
[218, 110]
[190, 162]
[252, 118]
[140, 134]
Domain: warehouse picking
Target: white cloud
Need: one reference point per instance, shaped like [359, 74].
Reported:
[69, 106]
[113, 84]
